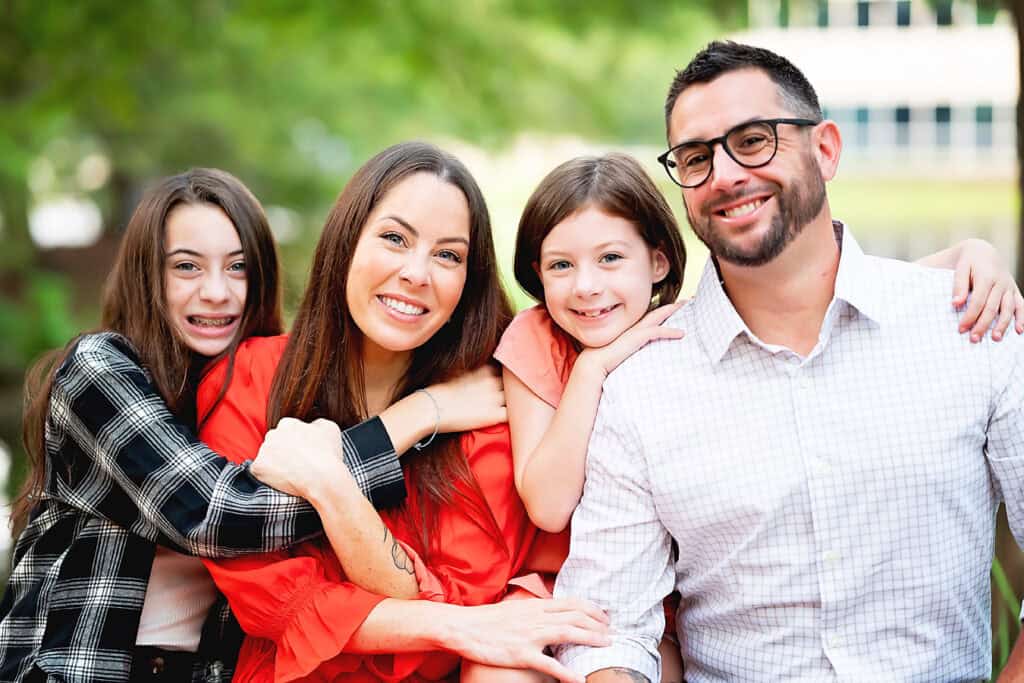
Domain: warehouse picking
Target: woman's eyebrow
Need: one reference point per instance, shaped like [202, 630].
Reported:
[416, 233]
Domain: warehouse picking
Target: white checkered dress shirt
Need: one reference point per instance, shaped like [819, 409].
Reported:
[835, 514]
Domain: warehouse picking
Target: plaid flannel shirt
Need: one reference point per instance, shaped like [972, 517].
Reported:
[122, 475]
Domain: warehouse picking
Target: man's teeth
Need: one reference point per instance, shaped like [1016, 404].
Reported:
[210, 322]
[743, 209]
[401, 306]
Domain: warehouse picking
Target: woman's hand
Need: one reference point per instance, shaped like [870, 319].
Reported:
[298, 457]
[475, 399]
[981, 272]
[513, 634]
[648, 328]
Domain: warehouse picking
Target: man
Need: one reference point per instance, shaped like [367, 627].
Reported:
[824, 448]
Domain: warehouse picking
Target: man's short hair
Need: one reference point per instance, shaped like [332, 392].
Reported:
[722, 56]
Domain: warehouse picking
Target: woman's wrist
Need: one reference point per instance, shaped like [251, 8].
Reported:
[409, 420]
[446, 631]
[420, 445]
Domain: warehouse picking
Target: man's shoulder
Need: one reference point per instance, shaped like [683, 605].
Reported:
[662, 359]
[895, 270]
[911, 292]
[917, 304]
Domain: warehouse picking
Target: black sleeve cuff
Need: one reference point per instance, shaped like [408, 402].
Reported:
[371, 458]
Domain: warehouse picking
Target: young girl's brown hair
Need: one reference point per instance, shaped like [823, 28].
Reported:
[615, 184]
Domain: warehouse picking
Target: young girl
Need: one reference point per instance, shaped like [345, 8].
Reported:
[121, 494]
[599, 246]
[403, 292]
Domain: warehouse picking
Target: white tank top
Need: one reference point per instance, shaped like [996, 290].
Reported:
[178, 599]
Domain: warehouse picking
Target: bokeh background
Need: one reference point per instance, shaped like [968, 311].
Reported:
[99, 98]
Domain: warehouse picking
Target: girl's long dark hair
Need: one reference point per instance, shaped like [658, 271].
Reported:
[134, 305]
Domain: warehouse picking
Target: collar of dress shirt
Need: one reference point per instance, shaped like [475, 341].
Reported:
[718, 323]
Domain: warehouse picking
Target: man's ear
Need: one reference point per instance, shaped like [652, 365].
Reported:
[828, 144]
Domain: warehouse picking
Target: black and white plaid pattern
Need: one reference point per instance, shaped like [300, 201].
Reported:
[123, 475]
[834, 513]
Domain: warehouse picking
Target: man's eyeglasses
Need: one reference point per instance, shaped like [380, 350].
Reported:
[750, 145]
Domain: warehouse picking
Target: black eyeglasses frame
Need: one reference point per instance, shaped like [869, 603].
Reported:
[665, 160]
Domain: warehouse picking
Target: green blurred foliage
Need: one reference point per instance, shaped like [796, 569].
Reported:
[291, 97]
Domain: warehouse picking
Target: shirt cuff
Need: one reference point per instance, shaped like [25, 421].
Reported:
[371, 458]
[623, 653]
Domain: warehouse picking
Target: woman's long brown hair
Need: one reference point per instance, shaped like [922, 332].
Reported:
[134, 305]
[321, 371]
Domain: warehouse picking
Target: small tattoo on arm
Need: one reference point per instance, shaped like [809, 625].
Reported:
[629, 674]
[398, 555]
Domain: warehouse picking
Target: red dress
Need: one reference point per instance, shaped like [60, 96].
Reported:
[296, 606]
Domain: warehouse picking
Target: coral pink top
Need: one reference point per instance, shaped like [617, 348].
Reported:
[296, 606]
[541, 355]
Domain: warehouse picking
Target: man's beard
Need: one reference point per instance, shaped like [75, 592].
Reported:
[795, 208]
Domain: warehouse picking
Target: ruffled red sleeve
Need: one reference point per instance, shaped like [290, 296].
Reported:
[296, 606]
[539, 353]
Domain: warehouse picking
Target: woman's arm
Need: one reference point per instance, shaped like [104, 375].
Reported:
[510, 634]
[470, 401]
[549, 445]
[368, 552]
[981, 272]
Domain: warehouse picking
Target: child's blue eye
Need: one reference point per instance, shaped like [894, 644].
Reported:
[186, 266]
[237, 266]
[394, 238]
[610, 258]
[559, 265]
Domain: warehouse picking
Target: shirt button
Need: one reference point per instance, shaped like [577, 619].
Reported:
[830, 555]
[835, 641]
[820, 466]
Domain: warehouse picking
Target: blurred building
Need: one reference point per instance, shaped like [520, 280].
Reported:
[919, 88]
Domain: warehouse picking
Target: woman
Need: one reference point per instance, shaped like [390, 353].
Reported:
[121, 493]
[403, 292]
